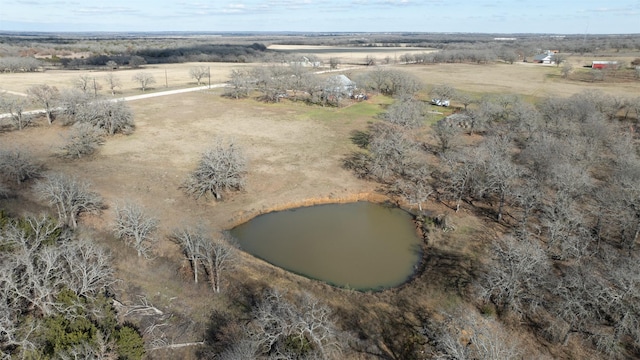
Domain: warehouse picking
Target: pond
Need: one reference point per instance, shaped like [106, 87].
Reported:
[358, 245]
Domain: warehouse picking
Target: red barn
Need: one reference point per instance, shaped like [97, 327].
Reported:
[603, 64]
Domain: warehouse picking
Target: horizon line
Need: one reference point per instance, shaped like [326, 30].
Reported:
[284, 32]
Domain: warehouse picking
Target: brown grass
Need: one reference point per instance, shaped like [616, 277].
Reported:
[167, 76]
[295, 153]
[525, 79]
[350, 54]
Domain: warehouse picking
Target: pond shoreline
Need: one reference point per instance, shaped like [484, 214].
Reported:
[417, 221]
[244, 216]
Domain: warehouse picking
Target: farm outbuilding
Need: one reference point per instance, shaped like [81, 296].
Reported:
[603, 64]
[545, 58]
[342, 84]
[305, 62]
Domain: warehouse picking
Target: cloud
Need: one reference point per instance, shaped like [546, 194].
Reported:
[212, 9]
[101, 10]
[45, 3]
[630, 10]
[394, 2]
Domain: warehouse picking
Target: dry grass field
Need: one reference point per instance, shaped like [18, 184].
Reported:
[525, 79]
[295, 153]
[351, 55]
[167, 76]
[292, 156]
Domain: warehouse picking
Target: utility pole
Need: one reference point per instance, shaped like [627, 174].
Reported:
[209, 73]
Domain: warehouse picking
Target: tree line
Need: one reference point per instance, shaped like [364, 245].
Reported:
[299, 83]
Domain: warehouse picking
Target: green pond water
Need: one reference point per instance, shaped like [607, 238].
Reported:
[358, 245]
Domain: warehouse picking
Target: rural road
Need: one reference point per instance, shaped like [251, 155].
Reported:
[126, 98]
[168, 92]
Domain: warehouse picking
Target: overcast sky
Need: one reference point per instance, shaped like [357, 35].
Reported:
[482, 16]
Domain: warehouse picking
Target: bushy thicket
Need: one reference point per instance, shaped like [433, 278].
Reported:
[562, 178]
[54, 300]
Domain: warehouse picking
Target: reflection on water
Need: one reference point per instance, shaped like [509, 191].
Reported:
[358, 245]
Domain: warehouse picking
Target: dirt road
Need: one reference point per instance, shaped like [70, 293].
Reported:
[126, 98]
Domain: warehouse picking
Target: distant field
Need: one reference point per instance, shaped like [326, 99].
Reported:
[348, 54]
[166, 75]
[526, 79]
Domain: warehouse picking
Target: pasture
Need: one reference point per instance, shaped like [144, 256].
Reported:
[295, 153]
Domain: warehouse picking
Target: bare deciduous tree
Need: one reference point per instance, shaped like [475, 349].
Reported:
[45, 96]
[514, 281]
[70, 196]
[464, 98]
[88, 83]
[15, 108]
[508, 56]
[135, 227]
[443, 92]
[469, 336]
[408, 113]
[84, 83]
[221, 168]
[527, 194]
[283, 326]
[39, 261]
[499, 172]
[191, 241]
[71, 101]
[36, 272]
[392, 152]
[566, 69]
[96, 86]
[18, 165]
[113, 82]
[144, 79]
[88, 268]
[112, 116]
[136, 61]
[559, 58]
[390, 82]
[445, 134]
[369, 60]
[271, 81]
[414, 187]
[83, 140]
[334, 63]
[218, 256]
[461, 172]
[402, 84]
[198, 73]
[215, 255]
[239, 84]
